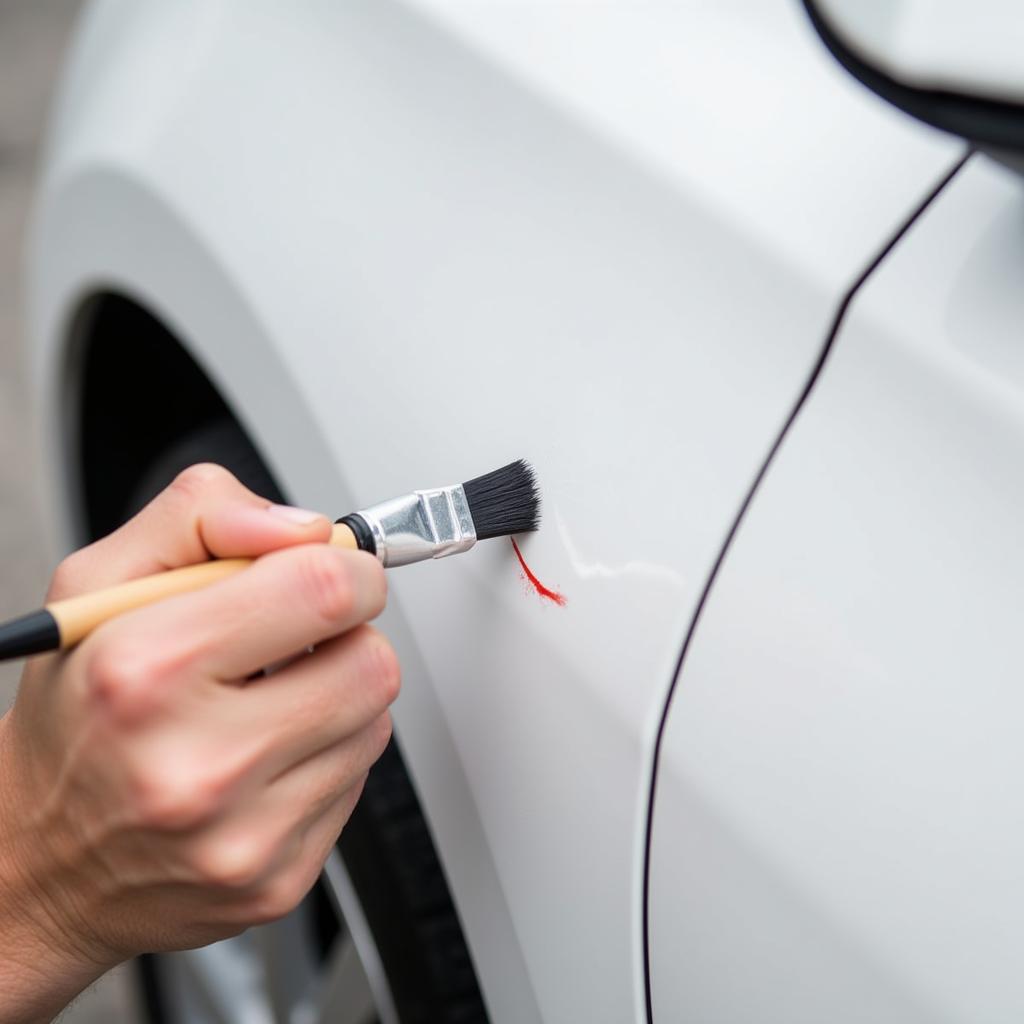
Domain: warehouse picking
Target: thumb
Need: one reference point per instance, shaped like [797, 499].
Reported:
[205, 513]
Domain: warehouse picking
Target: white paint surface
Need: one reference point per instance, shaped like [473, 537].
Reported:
[614, 248]
[838, 834]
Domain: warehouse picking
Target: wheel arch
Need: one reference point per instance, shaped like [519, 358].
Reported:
[118, 269]
[113, 343]
[116, 342]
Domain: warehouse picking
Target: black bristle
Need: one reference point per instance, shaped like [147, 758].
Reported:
[504, 501]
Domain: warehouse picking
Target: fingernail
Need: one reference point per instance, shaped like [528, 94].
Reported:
[295, 516]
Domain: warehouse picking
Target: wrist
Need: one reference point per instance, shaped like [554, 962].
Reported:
[42, 965]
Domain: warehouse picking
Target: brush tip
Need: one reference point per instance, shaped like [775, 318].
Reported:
[504, 501]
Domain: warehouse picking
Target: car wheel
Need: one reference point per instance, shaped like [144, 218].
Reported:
[377, 940]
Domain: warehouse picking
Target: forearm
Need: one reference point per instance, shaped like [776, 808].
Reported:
[36, 982]
[40, 970]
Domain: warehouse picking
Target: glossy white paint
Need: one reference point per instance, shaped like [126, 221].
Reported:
[405, 259]
[838, 833]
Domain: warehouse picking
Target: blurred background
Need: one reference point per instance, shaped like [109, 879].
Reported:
[33, 37]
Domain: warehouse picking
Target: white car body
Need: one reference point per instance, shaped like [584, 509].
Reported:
[411, 240]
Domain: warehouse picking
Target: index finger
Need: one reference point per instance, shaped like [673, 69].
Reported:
[284, 602]
[206, 512]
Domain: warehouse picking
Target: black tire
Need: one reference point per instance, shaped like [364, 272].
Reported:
[386, 846]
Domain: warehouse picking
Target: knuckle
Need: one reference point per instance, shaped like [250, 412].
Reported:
[230, 864]
[279, 897]
[169, 796]
[196, 480]
[329, 583]
[128, 678]
[121, 680]
[67, 576]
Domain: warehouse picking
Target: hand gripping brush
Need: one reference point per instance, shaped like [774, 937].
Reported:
[413, 528]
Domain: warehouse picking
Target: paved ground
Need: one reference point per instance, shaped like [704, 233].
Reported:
[33, 34]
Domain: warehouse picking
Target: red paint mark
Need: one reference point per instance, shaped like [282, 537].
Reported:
[551, 595]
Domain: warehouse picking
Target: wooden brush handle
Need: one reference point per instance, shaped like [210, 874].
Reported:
[76, 617]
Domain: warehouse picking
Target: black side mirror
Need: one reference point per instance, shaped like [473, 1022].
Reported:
[956, 65]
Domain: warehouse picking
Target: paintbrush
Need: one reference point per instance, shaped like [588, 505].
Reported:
[412, 528]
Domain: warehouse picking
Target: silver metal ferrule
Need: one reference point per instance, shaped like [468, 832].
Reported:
[421, 525]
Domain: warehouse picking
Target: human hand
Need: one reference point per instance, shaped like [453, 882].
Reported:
[154, 796]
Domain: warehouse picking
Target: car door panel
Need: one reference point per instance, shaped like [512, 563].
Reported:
[837, 832]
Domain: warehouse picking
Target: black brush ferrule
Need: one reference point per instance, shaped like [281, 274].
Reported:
[361, 530]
